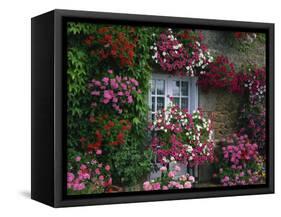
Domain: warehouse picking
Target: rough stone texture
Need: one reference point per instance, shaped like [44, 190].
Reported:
[221, 106]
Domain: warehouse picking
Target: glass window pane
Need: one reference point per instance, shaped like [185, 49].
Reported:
[160, 86]
[152, 117]
[153, 104]
[176, 101]
[176, 88]
[160, 103]
[184, 88]
[153, 87]
[184, 103]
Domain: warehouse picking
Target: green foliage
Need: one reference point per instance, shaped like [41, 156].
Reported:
[132, 164]
[132, 161]
[80, 28]
[77, 100]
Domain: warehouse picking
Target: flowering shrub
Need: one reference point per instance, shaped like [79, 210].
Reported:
[184, 136]
[86, 175]
[169, 180]
[255, 83]
[110, 44]
[221, 75]
[253, 123]
[115, 91]
[177, 58]
[245, 36]
[108, 132]
[239, 162]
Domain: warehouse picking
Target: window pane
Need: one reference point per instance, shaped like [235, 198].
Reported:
[153, 87]
[184, 88]
[184, 103]
[160, 85]
[176, 101]
[160, 103]
[176, 88]
[153, 104]
[152, 117]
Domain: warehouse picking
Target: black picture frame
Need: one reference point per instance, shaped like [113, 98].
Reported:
[48, 108]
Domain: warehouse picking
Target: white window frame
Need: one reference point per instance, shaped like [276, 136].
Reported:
[192, 90]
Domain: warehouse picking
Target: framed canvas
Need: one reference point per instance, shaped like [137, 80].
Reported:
[133, 108]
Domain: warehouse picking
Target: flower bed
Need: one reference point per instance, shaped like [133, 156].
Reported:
[238, 162]
[183, 136]
[169, 180]
[86, 175]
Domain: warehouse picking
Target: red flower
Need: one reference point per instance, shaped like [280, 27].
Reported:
[94, 146]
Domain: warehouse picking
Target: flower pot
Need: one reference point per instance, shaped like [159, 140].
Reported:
[114, 189]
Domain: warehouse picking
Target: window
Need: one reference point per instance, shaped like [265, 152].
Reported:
[182, 89]
[184, 92]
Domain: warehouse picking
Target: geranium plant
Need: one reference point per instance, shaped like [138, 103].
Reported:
[115, 91]
[169, 179]
[111, 45]
[221, 75]
[86, 174]
[176, 57]
[238, 162]
[185, 136]
[108, 132]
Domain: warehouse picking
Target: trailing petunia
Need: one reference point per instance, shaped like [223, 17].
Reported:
[175, 57]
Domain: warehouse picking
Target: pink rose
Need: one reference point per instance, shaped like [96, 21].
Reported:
[107, 167]
[78, 158]
[70, 177]
[162, 169]
[171, 174]
[177, 168]
[105, 80]
[187, 184]
[147, 186]
[191, 178]
[97, 171]
[101, 177]
[98, 152]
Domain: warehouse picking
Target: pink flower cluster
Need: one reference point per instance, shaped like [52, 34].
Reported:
[87, 174]
[169, 179]
[239, 162]
[183, 136]
[114, 91]
[177, 58]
